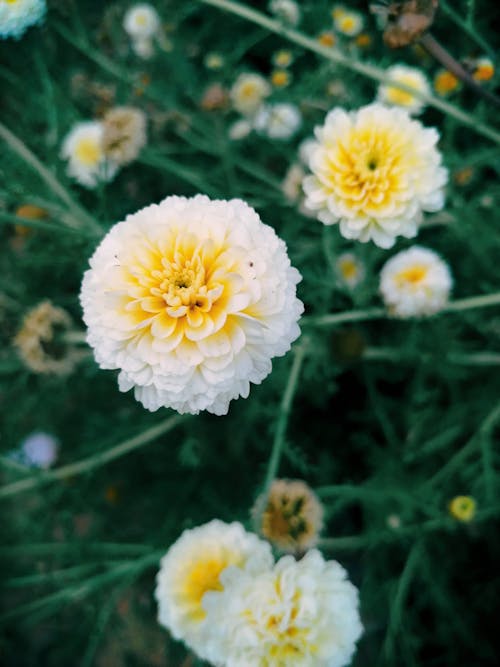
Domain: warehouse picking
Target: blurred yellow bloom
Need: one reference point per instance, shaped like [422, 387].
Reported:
[445, 82]
[280, 78]
[463, 508]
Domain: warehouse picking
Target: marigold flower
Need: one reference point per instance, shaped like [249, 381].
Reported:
[289, 515]
[278, 121]
[463, 508]
[415, 282]
[350, 269]
[193, 566]
[124, 134]
[299, 614]
[84, 150]
[445, 82]
[248, 92]
[375, 171]
[16, 16]
[411, 77]
[190, 299]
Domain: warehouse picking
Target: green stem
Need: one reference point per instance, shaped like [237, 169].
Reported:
[284, 413]
[339, 58]
[467, 27]
[92, 462]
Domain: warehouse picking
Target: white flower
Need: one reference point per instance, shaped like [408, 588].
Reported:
[299, 614]
[192, 567]
[143, 47]
[191, 299]
[84, 151]
[415, 282]
[240, 129]
[350, 269]
[347, 22]
[278, 121]
[292, 183]
[16, 16]
[375, 171]
[286, 10]
[248, 92]
[306, 149]
[141, 22]
[411, 77]
[39, 450]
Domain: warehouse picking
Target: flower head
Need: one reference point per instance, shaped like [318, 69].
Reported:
[248, 92]
[282, 58]
[347, 22]
[350, 269]
[280, 78]
[83, 149]
[299, 614]
[289, 515]
[286, 10]
[484, 69]
[193, 566]
[141, 21]
[39, 450]
[375, 171]
[415, 282]
[16, 16]
[124, 134]
[190, 299]
[411, 77]
[445, 82]
[463, 508]
[278, 121]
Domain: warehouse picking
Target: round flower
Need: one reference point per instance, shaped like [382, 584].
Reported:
[278, 121]
[193, 566]
[39, 450]
[484, 69]
[248, 92]
[16, 16]
[289, 515]
[445, 82]
[408, 76]
[463, 508]
[415, 282]
[191, 299]
[83, 148]
[349, 269]
[347, 22]
[299, 614]
[282, 58]
[141, 21]
[286, 10]
[375, 171]
[124, 134]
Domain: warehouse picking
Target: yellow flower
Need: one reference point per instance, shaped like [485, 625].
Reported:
[280, 78]
[484, 70]
[282, 58]
[327, 39]
[445, 82]
[347, 22]
[363, 40]
[463, 508]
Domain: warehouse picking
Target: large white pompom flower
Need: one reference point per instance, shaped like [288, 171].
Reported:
[375, 171]
[192, 567]
[415, 282]
[299, 614]
[191, 299]
[16, 16]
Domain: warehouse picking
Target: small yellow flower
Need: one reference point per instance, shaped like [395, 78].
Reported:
[326, 38]
[445, 82]
[282, 58]
[462, 508]
[280, 78]
[363, 40]
[214, 61]
[484, 70]
[348, 23]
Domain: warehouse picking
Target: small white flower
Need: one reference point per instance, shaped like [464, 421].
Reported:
[193, 566]
[347, 22]
[292, 183]
[350, 269]
[278, 121]
[143, 47]
[191, 299]
[83, 149]
[240, 129]
[411, 77]
[286, 10]
[415, 282]
[299, 614]
[141, 22]
[16, 16]
[39, 450]
[248, 92]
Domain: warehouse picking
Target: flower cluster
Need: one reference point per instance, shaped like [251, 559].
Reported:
[16, 16]
[142, 24]
[219, 591]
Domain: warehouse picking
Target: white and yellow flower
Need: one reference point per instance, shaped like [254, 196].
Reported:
[191, 299]
[192, 567]
[16, 16]
[278, 121]
[375, 171]
[83, 149]
[299, 614]
[287, 11]
[415, 282]
[350, 269]
[142, 24]
[347, 22]
[248, 93]
[408, 76]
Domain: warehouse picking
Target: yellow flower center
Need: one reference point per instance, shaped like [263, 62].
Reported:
[141, 19]
[347, 23]
[348, 269]
[248, 90]
[414, 275]
[401, 97]
[88, 152]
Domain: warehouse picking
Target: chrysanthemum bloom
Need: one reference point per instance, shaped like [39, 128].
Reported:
[286, 10]
[415, 282]
[192, 567]
[299, 614]
[278, 121]
[375, 171]
[463, 508]
[37, 342]
[191, 299]
[16, 16]
[445, 83]
[289, 515]
[83, 149]
[350, 269]
[248, 92]
[484, 69]
[124, 134]
[348, 23]
[408, 76]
